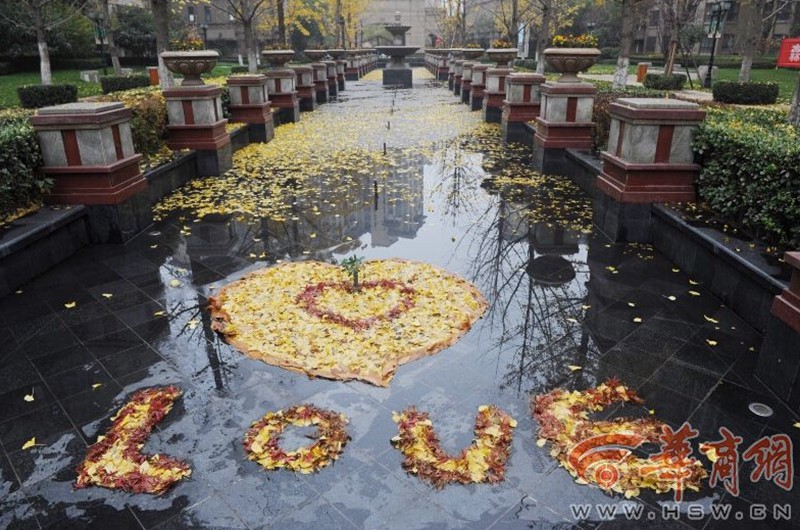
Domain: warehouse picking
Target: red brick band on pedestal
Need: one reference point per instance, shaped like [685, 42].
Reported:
[112, 184]
[786, 306]
[647, 183]
[201, 137]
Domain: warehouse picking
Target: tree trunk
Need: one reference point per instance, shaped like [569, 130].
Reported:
[463, 26]
[747, 64]
[625, 45]
[544, 36]
[794, 111]
[673, 50]
[281, 22]
[44, 51]
[109, 36]
[249, 43]
[161, 22]
[513, 33]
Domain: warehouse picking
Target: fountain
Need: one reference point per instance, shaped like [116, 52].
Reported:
[397, 71]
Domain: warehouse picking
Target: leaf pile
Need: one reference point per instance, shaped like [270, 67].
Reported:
[405, 310]
[115, 461]
[483, 461]
[262, 441]
[564, 422]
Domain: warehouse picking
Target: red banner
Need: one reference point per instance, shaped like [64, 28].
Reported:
[789, 56]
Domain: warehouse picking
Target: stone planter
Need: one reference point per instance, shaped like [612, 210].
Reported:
[190, 64]
[502, 56]
[277, 58]
[315, 55]
[337, 53]
[472, 53]
[569, 61]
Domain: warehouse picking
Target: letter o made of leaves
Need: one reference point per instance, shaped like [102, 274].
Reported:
[262, 441]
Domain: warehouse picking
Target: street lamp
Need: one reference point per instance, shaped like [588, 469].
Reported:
[204, 28]
[718, 12]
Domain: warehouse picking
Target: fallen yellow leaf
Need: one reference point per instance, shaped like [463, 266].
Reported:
[29, 397]
[637, 319]
[107, 295]
[175, 283]
[574, 367]
[30, 443]
[694, 293]
[711, 342]
[70, 305]
[96, 386]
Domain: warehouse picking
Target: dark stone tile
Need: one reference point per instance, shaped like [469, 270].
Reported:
[19, 373]
[57, 338]
[686, 381]
[132, 360]
[702, 358]
[45, 423]
[98, 327]
[55, 461]
[62, 360]
[96, 404]
[113, 342]
[77, 380]
[669, 406]
[140, 314]
[13, 403]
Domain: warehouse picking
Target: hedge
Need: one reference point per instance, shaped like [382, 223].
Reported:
[751, 172]
[118, 83]
[239, 69]
[601, 116]
[664, 82]
[37, 96]
[745, 93]
[20, 187]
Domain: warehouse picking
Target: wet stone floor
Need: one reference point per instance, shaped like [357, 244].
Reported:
[559, 295]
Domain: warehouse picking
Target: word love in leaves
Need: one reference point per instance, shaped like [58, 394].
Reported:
[115, 461]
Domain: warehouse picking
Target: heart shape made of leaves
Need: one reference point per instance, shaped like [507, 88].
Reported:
[302, 317]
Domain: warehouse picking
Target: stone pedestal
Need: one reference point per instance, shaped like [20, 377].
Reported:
[565, 122]
[522, 104]
[88, 151]
[779, 359]
[466, 80]
[340, 77]
[196, 122]
[397, 77]
[478, 86]
[451, 74]
[458, 70]
[333, 84]
[495, 94]
[352, 70]
[282, 93]
[250, 104]
[320, 81]
[306, 90]
[90, 76]
[649, 157]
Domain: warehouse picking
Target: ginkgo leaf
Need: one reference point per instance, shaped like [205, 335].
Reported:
[712, 320]
[159, 313]
[671, 298]
[637, 319]
[154, 246]
[675, 269]
[694, 293]
[541, 442]
[574, 367]
[29, 397]
[70, 305]
[18, 291]
[796, 425]
[107, 295]
[711, 342]
[586, 306]
[692, 282]
[193, 323]
[175, 283]
[30, 443]
[631, 304]
[96, 386]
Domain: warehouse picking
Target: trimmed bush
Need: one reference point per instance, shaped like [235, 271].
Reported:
[119, 83]
[37, 96]
[751, 171]
[20, 187]
[745, 93]
[239, 69]
[664, 82]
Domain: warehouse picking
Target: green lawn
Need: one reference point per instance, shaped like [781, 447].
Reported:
[9, 83]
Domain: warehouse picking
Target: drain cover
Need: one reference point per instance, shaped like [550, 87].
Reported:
[759, 409]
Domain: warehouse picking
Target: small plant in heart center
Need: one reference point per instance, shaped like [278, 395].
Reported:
[352, 266]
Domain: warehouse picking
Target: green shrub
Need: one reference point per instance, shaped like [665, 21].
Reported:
[5, 68]
[37, 96]
[118, 83]
[751, 171]
[601, 115]
[745, 93]
[20, 187]
[609, 52]
[149, 119]
[239, 69]
[664, 82]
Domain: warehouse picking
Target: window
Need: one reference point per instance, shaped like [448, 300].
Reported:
[650, 44]
[785, 13]
[654, 18]
[207, 14]
[190, 10]
[733, 13]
